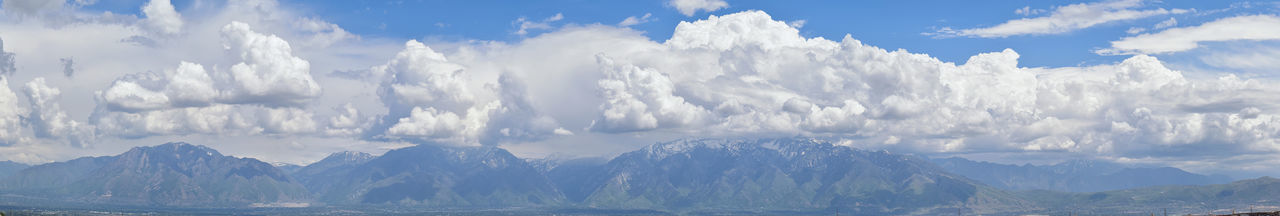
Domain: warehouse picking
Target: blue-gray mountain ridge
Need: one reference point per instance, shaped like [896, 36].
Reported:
[687, 176]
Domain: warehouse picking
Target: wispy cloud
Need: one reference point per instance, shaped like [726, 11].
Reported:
[1062, 19]
[523, 25]
[689, 7]
[633, 20]
[1253, 27]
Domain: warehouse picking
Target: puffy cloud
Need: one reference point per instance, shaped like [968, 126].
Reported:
[188, 85]
[6, 62]
[427, 96]
[261, 95]
[47, 117]
[270, 74]
[749, 28]
[1063, 19]
[430, 123]
[746, 73]
[286, 120]
[11, 114]
[198, 100]
[161, 17]
[430, 98]
[348, 122]
[689, 7]
[518, 120]
[129, 93]
[420, 76]
[1252, 27]
[641, 99]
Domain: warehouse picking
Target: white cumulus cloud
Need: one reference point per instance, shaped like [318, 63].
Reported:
[11, 114]
[261, 95]
[431, 98]
[746, 73]
[161, 17]
[47, 117]
[270, 73]
[348, 122]
[641, 99]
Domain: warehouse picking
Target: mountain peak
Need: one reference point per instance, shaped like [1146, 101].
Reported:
[179, 148]
[789, 146]
[349, 156]
[170, 174]
[700, 174]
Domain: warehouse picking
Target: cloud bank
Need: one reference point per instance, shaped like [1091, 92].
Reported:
[243, 72]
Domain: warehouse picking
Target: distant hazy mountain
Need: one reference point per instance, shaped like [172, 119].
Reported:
[1073, 176]
[775, 175]
[287, 168]
[550, 162]
[173, 174]
[572, 176]
[450, 177]
[1240, 196]
[690, 176]
[46, 177]
[9, 168]
[318, 177]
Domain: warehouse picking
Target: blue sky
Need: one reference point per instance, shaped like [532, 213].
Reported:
[887, 24]
[1190, 84]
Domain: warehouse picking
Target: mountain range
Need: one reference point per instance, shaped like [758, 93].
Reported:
[444, 177]
[1259, 193]
[172, 174]
[687, 176]
[776, 175]
[9, 168]
[1073, 176]
[318, 177]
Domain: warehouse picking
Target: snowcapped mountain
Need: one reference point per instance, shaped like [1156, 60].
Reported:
[776, 175]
